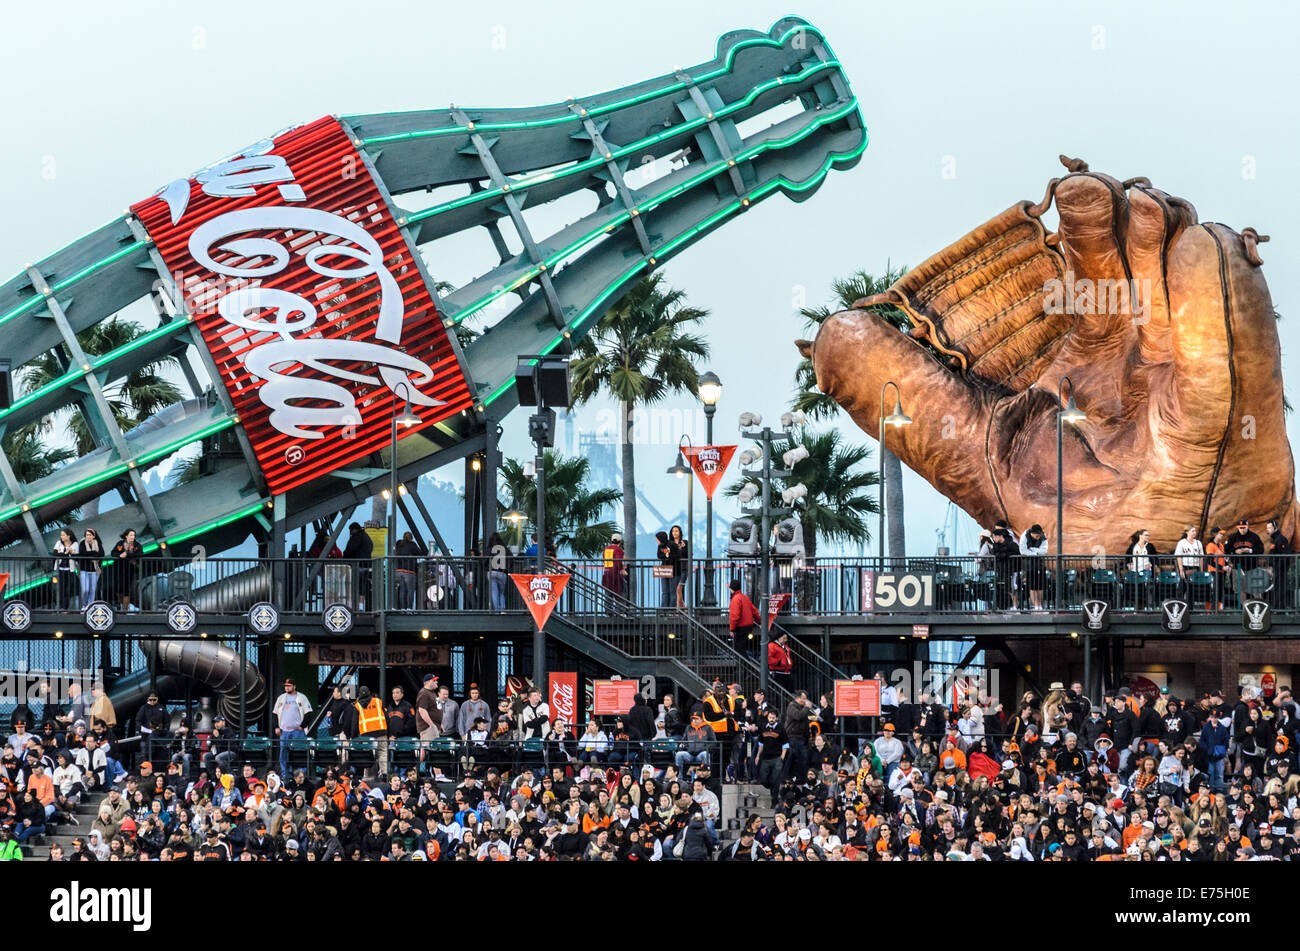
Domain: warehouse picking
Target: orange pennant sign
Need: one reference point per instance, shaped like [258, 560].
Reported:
[541, 593]
[4, 579]
[709, 464]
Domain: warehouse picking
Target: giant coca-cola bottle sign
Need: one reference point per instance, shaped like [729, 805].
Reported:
[309, 299]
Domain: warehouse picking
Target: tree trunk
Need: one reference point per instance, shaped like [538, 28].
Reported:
[629, 487]
[896, 536]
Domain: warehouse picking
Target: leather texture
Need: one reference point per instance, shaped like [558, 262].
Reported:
[1164, 326]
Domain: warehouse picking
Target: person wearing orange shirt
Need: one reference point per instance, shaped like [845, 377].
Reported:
[43, 786]
[1216, 563]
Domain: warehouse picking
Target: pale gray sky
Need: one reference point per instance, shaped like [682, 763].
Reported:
[106, 103]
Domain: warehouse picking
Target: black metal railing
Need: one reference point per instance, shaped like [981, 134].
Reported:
[825, 586]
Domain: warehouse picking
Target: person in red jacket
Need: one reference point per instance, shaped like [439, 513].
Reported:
[779, 661]
[744, 618]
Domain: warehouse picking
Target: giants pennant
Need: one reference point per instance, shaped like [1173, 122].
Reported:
[309, 299]
[541, 593]
[709, 464]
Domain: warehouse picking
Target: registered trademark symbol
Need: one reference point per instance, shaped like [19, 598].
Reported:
[294, 455]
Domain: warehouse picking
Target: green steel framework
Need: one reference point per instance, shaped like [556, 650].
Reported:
[511, 160]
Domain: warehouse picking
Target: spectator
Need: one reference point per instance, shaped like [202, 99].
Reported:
[152, 721]
[1214, 740]
[291, 709]
[695, 746]
[90, 560]
[408, 552]
[780, 664]
[796, 725]
[535, 715]
[1033, 549]
[614, 567]
[681, 556]
[498, 576]
[593, 745]
[65, 568]
[1279, 565]
[742, 618]
[126, 556]
[667, 583]
[400, 714]
[472, 709]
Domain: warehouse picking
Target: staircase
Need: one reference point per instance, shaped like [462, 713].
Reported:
[644, 640]
[812, 670]
[87, 809]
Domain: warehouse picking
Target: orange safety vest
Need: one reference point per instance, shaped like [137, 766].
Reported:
[370, 718]
[714, 715]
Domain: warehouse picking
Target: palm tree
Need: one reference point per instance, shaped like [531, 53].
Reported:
[840, 500]
[573, 511]
[132, 399]
[640, 352]
[846, 291]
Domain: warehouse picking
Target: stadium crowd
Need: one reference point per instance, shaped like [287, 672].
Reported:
[1054, 778]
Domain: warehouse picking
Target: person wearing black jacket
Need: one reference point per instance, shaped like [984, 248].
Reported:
[1006, 553]
[1123, 727]
[408, 552]
[796, 726]
[126, 567]
[1179, 724]
[1279, 544]
[359, 549]
[1093, 726]
[640, 721]
[674, 724]
[336, 712]
[930, 717]
[1150, 727]
[152, 721]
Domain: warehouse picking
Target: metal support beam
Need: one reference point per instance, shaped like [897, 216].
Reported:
[104, 412]
[1030, 679]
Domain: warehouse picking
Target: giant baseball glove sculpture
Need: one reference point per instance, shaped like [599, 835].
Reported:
[1165, 328]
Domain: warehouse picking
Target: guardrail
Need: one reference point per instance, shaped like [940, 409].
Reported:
[451, 756]
[826, 586]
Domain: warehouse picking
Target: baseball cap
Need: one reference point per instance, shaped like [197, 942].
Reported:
[289, 682]
[428, 677]
[888, 726]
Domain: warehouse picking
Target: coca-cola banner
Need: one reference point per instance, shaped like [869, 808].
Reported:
[563, 698]
[541, 593]
[309, 298]
[709, 464]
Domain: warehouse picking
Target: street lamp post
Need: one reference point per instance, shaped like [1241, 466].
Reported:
[710, 390]
[1072, 415]
[406, 419]
[896, 418]
[683, 471]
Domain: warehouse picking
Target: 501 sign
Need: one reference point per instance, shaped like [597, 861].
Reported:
[897, 591]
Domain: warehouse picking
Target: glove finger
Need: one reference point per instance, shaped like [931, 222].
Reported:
[857, 352]
[981, 299]
[1155, 222]
[1227, 383]
[1094, 217]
